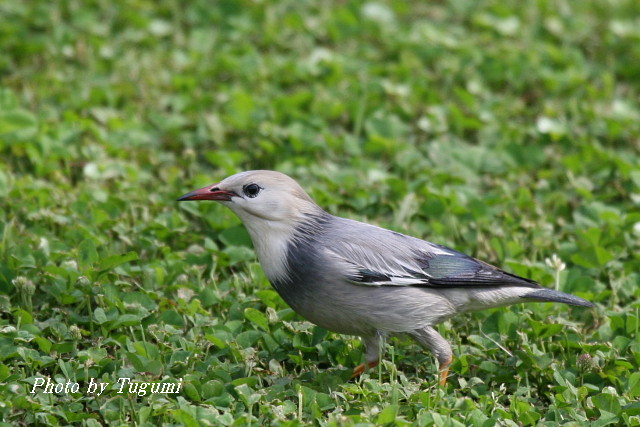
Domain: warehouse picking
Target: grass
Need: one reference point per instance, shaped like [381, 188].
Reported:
[507, 130]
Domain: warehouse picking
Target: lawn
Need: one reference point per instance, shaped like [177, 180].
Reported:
[507, 130]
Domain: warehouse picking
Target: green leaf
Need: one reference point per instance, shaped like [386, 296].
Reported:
[606, 402]
[146, 349]
[247, 394]
[257, 318]
[172, 318]
[43, 343]
[488, 366]
[239, 254]
[208, 297]
[138, 362]
[97, 354]
[236, 236]
[184, 418]
[87, 254]
[154, 367]
[24, 316]
[99, 316]
[17, 125]
[216, 340]
[5, 372]
[212, 388]
[632, 409]
[603, 256]
[126, 320]
[180, 356]
[388, 415]
[606, 418]
[248, 338]
[140, 299]
[192, 392]
[116, 260]
[633, 385]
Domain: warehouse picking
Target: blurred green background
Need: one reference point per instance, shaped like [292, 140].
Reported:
[508, 130]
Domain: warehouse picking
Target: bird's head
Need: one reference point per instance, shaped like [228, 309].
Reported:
[271, 205]
[259, 195]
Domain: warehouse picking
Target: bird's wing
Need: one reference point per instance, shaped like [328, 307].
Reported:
[378, 257]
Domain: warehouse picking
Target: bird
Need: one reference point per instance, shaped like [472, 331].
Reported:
[358, 279]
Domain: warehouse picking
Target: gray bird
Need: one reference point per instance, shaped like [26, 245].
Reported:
[358, 279]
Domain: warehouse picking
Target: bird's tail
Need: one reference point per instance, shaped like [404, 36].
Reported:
[549, 295]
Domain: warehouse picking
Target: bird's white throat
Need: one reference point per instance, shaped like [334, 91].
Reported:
[270, 241]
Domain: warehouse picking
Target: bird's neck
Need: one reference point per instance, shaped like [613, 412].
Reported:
[273, 239]
[270, 240]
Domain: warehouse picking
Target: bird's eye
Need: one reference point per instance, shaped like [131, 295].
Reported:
[251, 190]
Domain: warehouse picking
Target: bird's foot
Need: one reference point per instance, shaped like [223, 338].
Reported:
[359, 370]
[444, 371]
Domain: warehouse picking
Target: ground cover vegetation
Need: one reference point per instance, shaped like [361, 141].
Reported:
[508, 130]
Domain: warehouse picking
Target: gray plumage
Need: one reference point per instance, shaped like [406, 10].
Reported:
[358, 279]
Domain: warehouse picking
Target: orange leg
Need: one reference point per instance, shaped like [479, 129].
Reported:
[429, 338]
[359, 370]
[374, 349]
[444, 371]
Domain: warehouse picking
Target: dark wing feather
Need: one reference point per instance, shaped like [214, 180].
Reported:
[462, 271]
[372, 256]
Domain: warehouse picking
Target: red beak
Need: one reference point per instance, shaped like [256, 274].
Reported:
[212, 192]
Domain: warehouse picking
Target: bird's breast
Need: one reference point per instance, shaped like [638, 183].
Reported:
[271, 243]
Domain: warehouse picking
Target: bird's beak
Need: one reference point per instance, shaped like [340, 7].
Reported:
[212, 192]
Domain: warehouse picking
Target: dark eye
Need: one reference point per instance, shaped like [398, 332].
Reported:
[251, 190]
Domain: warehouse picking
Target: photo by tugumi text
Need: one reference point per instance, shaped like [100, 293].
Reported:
[97, 388]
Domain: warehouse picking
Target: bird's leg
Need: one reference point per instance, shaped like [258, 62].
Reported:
[373, 353]
[444, 371]
[359, 370]
[429, 338]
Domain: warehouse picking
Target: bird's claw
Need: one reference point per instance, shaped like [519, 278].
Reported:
[359, 370]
